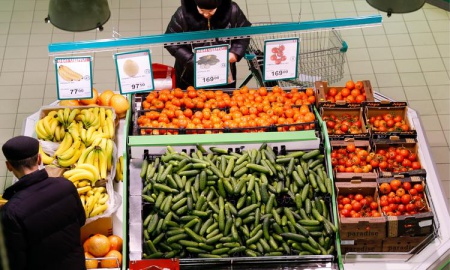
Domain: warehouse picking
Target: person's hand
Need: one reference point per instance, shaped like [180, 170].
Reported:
[232, 57]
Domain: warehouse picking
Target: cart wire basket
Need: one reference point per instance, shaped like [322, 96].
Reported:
[321, 57]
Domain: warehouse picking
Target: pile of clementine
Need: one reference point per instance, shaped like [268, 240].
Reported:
[211, 111]
[103, 251]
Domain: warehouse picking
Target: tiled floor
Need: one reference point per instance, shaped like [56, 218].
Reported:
[407, 58]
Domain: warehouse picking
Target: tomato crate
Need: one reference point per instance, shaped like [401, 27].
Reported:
[361, 245]
[386, 119]
[417, 218]
[361, 228]
[370, 175]
[323, 91]
[344, 122]
[403, 244]
[401, 157]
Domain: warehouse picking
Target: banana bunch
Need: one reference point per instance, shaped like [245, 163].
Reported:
[46, 159]
[67, 116]
[119, 167]
[47, 127]
[84, 177]
[68, 157]
[68, 74]
[99, 154]
[100, 119]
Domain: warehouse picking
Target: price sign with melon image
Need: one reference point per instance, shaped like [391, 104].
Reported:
[134, 71]
[74, 77]
[280, 59]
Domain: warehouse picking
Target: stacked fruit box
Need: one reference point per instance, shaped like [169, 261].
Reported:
[79, 141]
[343, 94]
[169, 112]
[237, 202]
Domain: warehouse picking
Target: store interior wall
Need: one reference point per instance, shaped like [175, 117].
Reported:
[407, 58]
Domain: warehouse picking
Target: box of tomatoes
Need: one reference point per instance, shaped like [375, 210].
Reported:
[352, 159]
[360, 215]
[351, 92]
[397, 156]
[386, 119]
[344, 121]
[404, 202]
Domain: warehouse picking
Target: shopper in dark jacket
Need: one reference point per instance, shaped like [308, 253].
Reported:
[198, 15]
[43, 216]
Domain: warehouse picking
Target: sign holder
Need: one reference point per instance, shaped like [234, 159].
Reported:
[281, 59]
[73, 77]
[134, 71]
[211, 66]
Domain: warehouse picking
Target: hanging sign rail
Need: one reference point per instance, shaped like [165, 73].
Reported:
[212, 35]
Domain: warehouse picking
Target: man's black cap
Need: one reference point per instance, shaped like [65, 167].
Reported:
[20, 147]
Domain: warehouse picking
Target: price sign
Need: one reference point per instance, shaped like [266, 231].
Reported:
[134, 71]
[280, 59]
[74, 77]
[211, 66]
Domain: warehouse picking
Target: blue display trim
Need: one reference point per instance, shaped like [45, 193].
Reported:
[55, 48]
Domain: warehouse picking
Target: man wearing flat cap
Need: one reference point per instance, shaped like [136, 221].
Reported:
[43, 216]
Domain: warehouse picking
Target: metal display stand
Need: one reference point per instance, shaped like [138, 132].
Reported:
[131, 147]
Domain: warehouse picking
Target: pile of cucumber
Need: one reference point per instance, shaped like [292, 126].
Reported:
[218, 203]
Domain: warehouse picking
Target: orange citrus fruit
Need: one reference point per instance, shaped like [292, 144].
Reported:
[92, 100]
[105, 97]
[90, 264]
[120, 105]
[69, 102]
[98, 245]
[112, 263]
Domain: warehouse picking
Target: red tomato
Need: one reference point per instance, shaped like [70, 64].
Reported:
[385, 188]
[416, 165]
[400, 192]
[418, 187]
[346, 200]
[373, 205]
[412, 157]
[399, 158]
[413, 192]
[419, 204]
[383, 165]
[406, 199]
[406, 185]
[401, 208]
[350, 147]
[356, 206]
[358, 197]
[395, 184]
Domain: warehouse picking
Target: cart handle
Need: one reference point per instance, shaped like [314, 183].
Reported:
[344, 47]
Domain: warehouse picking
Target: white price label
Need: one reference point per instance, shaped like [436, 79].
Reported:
[211, 66]
[74, 77]
[280, 59]
[134, 71]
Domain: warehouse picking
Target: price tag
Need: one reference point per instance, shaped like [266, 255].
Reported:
[74, 77]
[134, 71]
[211, 66]
[280, 59]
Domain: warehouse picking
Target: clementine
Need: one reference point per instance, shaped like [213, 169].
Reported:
[116, 258]
[105, 97]
[90, 262]
[98, 245]
[90, 101]
[69, 102]
[120, 105]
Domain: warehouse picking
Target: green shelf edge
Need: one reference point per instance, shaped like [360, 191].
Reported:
[223, 138]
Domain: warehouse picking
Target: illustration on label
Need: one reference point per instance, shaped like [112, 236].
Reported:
[68, 74]
[207, 60]
[278, 54]
[130, 68]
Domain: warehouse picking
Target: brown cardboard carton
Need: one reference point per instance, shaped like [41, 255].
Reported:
[102, 226]
[345, 176]
[361, 245]
[322, 90]
[402, 244]
[339, 111]
[367, 228]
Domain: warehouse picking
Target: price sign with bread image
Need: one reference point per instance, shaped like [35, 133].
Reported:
[74, 77]
[134, 71]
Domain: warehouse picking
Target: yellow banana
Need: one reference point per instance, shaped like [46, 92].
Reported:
[72, 160]
[57, 133]
[64, 145]
[73, 130]
[95, 111]
[72, 115]
[45, 158]
[96, 161]
[105, 131]
[84, 175]
[84, 155]
[109, 153]
[104, 198]
[60, 117]
[99, 190]
[66, 116]
[110, 113]
[83, 200]
[91, 168]
[119, 176]
[95, 122]
[87, 174]
[111, 128]
[93, 202]
[103, 143]
[90, 193]
[88, 202]
[83, 136]
[98, 210]
[71, 151]
[97, 140]
[83, 183]
[41, 132]
[68, 74]
[90, 158]
[52, 114]
[102, 116]
[103, 164]
[62, 132]
[47, 126]
[83, 190]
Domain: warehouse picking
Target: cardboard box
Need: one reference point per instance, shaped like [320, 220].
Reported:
[413, 225]
[322, 90]
[361, 245]
[337, 110]
[345, 176]
[366, 228]
[410, 144]
[102, 226]
[402, 244]
[396, 108]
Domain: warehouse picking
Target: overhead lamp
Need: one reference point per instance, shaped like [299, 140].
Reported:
[78, 15]
[396, 6]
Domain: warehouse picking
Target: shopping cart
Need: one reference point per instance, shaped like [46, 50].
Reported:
[321, 57]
